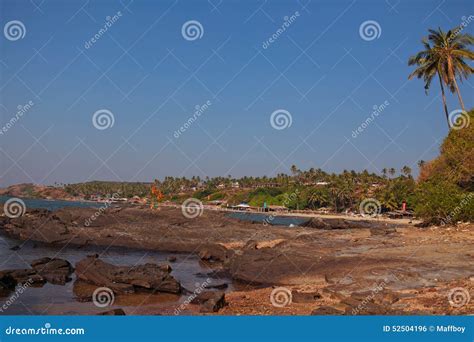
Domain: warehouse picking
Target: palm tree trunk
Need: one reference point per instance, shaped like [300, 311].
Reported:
[443, 95]
[452, 76]
[459, 94]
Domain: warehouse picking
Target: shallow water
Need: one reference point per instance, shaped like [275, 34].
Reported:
[56, 299]
[34, 203]
[266, 219]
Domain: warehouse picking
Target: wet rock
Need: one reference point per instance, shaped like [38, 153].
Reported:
[214, 252]
[210, 301]
[15, 248]
[55, 271]
[337, 223]
[125, 279]
[221, 286]
[304, 297]
[326, 310]
[26, 275]
[316, 223]
[171, 258]
[7, 284]
[83, 291]
[114, 312]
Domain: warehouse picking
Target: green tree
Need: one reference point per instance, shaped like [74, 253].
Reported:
[444, 55]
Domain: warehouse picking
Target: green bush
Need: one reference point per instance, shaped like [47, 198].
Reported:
[440, 201]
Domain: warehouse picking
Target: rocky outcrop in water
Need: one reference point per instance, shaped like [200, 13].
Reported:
[52, 270]
[125, 279]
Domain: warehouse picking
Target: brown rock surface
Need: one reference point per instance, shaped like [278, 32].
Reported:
[124, 279]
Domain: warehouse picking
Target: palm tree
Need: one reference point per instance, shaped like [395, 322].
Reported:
[429, 64]
[391, 171]
[445, 57]
[453, 48]
[406, 170]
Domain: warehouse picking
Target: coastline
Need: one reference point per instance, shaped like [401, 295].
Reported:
[337, 264]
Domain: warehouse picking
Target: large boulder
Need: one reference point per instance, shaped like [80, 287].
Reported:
[125, 279]
[53, 270]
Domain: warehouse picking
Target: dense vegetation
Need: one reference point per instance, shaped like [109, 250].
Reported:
[100, 188]
[445, 192]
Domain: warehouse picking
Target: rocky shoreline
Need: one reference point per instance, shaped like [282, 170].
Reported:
[328, 267]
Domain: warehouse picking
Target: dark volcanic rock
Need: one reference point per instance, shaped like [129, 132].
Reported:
[55, 271]
[337, 223]
[326, 310]
[316, 223]
[210, 301]
[114, 312]
[124, 279]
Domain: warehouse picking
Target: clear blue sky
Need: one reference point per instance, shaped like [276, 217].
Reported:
[143, 71]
